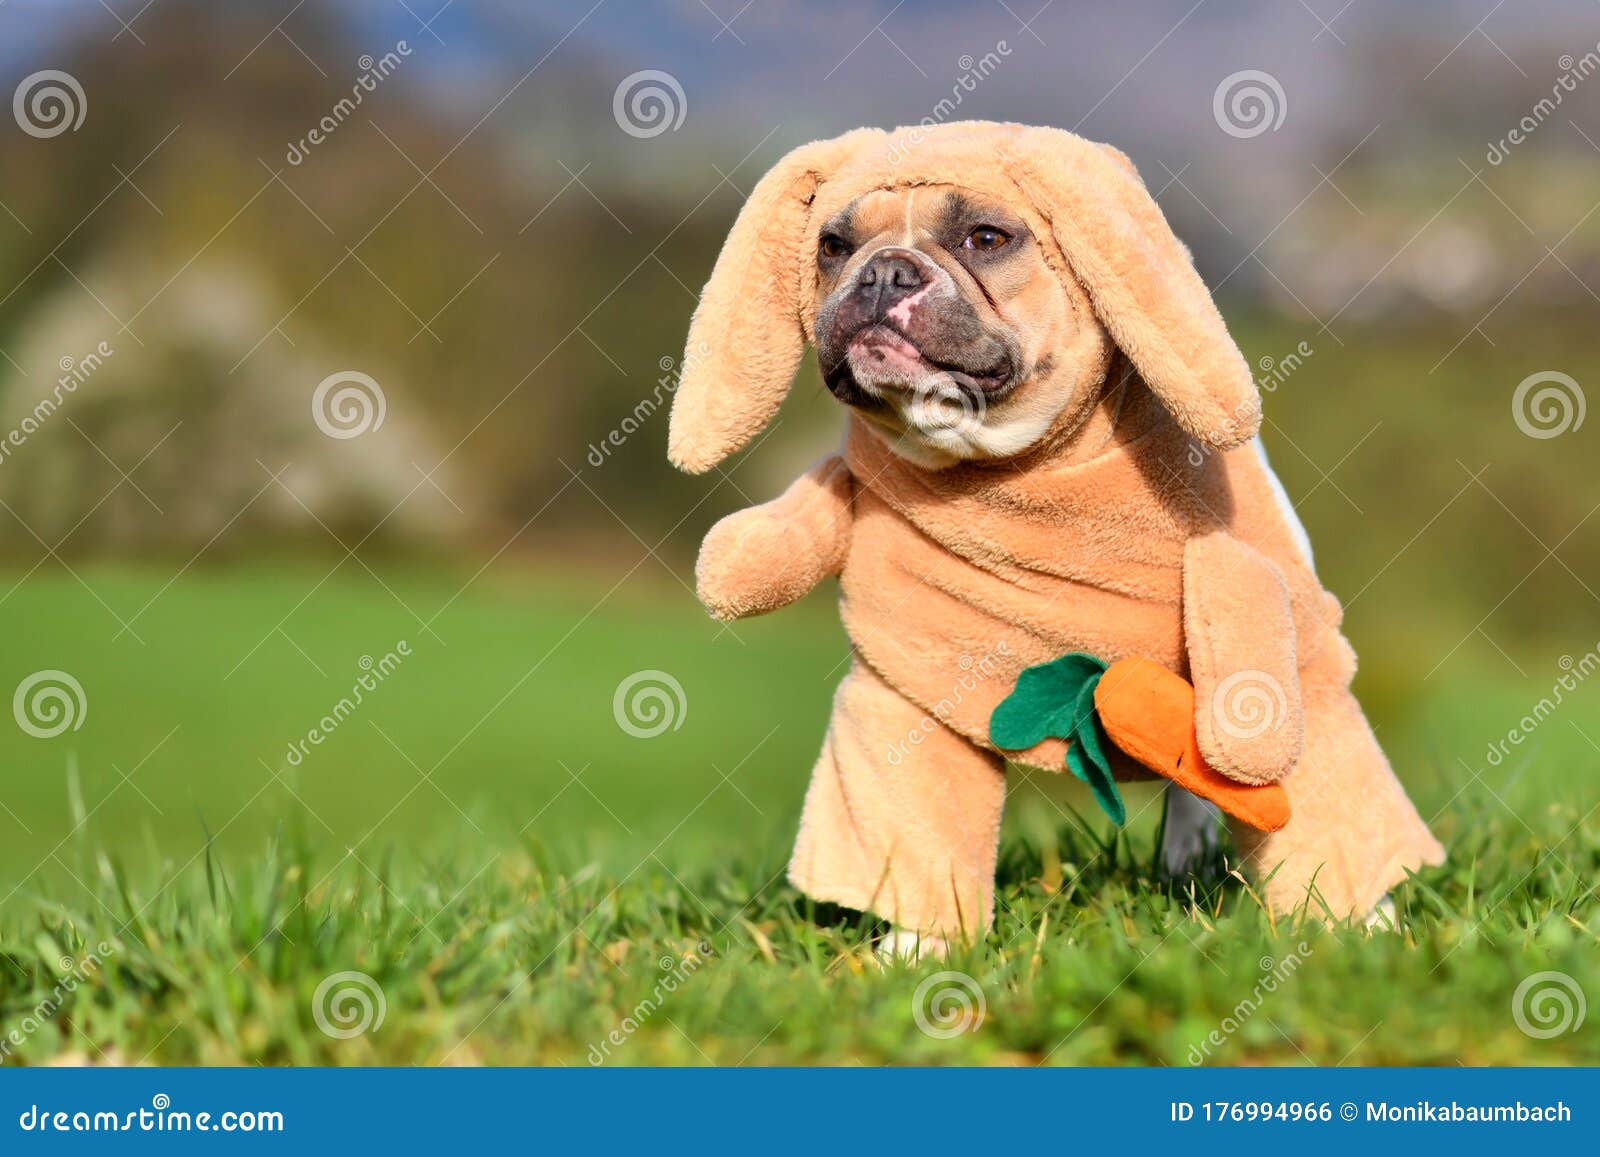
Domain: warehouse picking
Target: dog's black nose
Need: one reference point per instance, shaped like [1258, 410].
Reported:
[887, 278]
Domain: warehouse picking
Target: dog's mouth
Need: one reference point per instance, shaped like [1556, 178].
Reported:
[880, 359]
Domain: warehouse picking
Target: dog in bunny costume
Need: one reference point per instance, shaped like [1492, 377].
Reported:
[1051, 448]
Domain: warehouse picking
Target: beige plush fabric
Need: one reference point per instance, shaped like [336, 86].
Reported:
[1147, 526]
[902, 817]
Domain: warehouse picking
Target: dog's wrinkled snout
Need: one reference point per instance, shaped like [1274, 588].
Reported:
[888, 277]
[898, 322]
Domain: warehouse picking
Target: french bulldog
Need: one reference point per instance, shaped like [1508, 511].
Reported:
[1051, 446]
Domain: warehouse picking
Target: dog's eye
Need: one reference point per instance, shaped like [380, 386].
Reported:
[985, 238]
[832, 247]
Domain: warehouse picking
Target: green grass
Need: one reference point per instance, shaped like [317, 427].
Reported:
[439, 843]
[534, 961]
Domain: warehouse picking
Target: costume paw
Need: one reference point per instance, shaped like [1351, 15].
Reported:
[734, 560]
[903, 946]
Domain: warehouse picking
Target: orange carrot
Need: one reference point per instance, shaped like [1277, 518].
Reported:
[1148, 712]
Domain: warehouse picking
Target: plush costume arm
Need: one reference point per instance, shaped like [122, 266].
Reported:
[1242, 659]
[766, 557]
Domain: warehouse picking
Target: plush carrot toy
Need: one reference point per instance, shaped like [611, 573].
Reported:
[1140, 706]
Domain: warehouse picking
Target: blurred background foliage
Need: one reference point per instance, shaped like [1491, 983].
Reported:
[482, 238]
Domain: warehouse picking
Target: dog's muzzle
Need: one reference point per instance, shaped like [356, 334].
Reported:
[902, 310]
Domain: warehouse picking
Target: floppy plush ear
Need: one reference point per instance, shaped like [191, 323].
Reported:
[746, 339]
[1141, 280]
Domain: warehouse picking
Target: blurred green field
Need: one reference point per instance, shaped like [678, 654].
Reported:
[499, 726]
[483, 838]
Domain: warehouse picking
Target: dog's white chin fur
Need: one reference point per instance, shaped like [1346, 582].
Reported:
[933, 424]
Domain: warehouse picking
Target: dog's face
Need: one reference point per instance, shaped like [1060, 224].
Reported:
[939, 321]
[967, 286]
